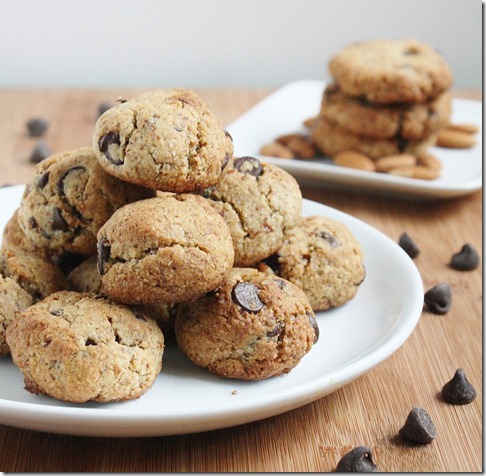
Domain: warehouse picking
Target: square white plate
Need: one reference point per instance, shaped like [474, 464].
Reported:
[285, 110]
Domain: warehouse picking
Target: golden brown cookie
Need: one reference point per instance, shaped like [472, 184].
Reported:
[80, 347]
[258, 201]
[391, 71]
[167, 139]
[323, 258]
[68, 200]
[254, 326]
[164, 249]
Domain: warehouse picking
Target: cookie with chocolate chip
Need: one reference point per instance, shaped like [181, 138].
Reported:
[258, 201]
[252, 327]
[79, 347]
[166, 139]
[164, 249]
[69, 198]
[391, 71]
[323, 257]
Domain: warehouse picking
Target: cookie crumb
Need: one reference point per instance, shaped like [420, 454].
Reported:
[234, 392]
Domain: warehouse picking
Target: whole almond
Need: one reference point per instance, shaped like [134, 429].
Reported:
[384, 164]
[455, 139]
[275, 149]
[302, 147]
[463, 127]
[428, 160]
[354, 160]
[415, 171]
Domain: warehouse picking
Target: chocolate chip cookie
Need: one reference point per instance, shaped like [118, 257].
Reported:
[391, 71]
[80, 347]
[321, 256]
[167, 139]
[165, 249]
[258, 201]
[254, 326]
[68, 200]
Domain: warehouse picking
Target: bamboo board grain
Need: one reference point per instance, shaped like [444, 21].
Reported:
[369, 411]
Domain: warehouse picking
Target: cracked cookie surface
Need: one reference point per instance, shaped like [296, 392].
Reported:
[323, 258]
[68, 200]
[166, 139]
[391, 71]
[254, 326]
[81, 347]
[258, 201]
[164, 249]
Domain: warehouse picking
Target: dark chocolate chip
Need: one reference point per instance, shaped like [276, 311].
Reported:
[58, 221]
[458, 391]
[33, 223]
[227, 134]
[57, 312]
[103, 107]
[276, 331]
[104, 143]
[140, 317]
[314, 325]
[104, 250]
[225, 162]
[249, 165]
[246, 295]
[90, 342]
[408, 245]
[465, 260]
[418, 427]
[439, 299]
[358, 460]
[37, 126]
[325, 235]
[43, 179]
[40, 152]
[62, 178]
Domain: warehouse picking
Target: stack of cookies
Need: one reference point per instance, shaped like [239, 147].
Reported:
[387, 97]
[157, 229]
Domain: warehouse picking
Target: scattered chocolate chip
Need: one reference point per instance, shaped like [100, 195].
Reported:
[277, 330]
[408, 245]
[249, 165]
[58, 221]
[40, 152]
[465, 260]
[104, 251]
[103, 107]
[104, 144]
[312, 319]
[43, 179]
[246, 295]
[325, 235]
[439, 299]
[358, 460]
[418, 427]
[458, 391]
[37, 126]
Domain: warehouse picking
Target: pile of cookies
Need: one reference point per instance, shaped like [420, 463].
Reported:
[158, 231]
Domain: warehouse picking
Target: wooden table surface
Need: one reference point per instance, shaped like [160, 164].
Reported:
[312, 438]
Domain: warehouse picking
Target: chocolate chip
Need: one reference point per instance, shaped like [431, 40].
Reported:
[37, 126]
[33, 223]
[62, 178]
[57, 312]
[439, 299]
[314, 325]
[225, 162]
[104, 250]
[277, 330]
[227, 134]
[140, 317]
[249, 165]
[418, 427]
[465, 260]
[408, 245]
[246, 295]
[43, 179]
[325, 235]
[40, 152]
[90, 342]
[103, 107]
[104, 143]
[58, 221]
[358, 460]
[458, 391]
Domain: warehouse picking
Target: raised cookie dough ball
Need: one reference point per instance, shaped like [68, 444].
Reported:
[323, 258]
[80, 347]
[68, 200]
[252, 327]
[164, 249]
[258, 201]
[167, 139]
[13, 300]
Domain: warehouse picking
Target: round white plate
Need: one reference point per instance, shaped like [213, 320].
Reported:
[185, 399]
[284, 111]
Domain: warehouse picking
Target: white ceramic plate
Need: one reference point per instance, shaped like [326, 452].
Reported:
[284, 111]
[185, 399]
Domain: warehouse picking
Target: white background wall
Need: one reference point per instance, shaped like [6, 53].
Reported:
[211, 43]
